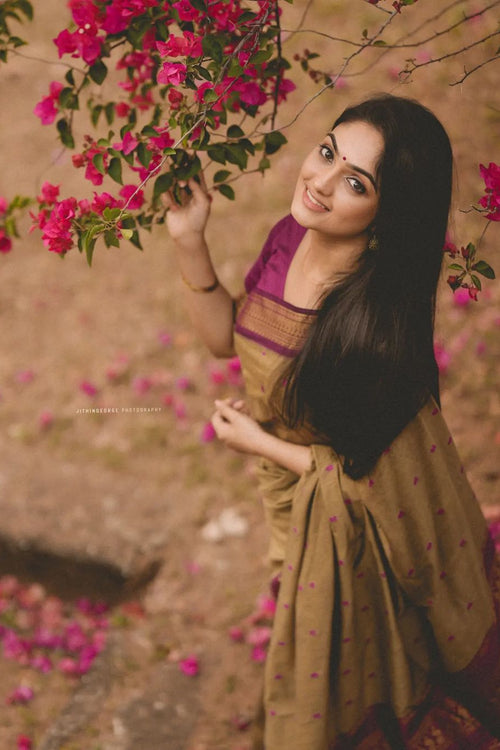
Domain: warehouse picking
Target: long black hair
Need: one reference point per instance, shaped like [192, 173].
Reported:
[368, 364]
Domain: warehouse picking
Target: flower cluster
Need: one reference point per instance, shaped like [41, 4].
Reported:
[465, 273]
[187, 71]
[38, 631]
[255, 630]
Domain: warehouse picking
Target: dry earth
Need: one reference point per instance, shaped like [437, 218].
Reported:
[92, 503]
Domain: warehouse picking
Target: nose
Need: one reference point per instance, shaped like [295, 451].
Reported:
[324, 180]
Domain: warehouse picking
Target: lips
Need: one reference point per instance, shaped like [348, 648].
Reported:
[311, 202]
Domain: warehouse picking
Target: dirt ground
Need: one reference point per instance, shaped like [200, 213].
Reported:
[134, 486]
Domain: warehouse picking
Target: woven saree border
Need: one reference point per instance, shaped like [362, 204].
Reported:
[274, 323]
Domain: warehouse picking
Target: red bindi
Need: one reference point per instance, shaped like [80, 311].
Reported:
[344, 158]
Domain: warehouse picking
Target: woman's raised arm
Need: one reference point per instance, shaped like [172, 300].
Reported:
[209, 304]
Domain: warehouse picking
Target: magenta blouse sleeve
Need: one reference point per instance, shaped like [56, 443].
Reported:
[270, 247]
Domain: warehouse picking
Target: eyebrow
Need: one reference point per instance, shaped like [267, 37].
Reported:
[353, 166]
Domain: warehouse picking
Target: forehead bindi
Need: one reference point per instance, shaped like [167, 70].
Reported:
[359, 144]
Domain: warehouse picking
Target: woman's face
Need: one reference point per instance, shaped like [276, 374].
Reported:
[337, 192]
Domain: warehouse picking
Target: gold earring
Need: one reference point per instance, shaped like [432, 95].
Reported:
[373, 243]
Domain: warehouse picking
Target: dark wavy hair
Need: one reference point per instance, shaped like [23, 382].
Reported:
[368, 364]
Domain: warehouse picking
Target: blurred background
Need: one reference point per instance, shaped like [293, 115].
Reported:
[148, 486]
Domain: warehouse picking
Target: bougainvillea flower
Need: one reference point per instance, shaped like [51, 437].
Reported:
[491, 201]
[172, 73]
[190, 666]
[186, 11]
[5, 242]
[46, 109]
[128, 144]
[24, 742]
[88, 388]
[134, 198]
[208, 433]
[443, 357]
[48, 193]
[187, 45]
[21, 695]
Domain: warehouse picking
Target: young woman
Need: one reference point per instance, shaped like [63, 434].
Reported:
[386, 632]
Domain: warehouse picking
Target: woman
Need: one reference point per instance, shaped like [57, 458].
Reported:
[386, 631]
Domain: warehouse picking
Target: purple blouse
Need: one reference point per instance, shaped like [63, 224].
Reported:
[269, 271]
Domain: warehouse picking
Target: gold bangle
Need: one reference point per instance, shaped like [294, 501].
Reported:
[194, 288]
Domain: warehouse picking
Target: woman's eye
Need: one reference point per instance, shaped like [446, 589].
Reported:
[326, 152]
[356, 185]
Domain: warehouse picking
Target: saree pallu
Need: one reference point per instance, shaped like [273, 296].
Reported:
[386, 629]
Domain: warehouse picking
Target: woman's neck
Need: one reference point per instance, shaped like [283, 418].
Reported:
[325, 259]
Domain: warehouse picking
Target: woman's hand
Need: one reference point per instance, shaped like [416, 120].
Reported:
[242, 433]
[187, 222]
[236, 428]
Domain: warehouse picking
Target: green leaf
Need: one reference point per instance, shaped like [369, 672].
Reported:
[221, 175]
[162, 183]
[98, 162]
[217, 153]
[456, 267]
[209, 95]
[227, 191]
[110, 238]
[111, 214]
[380, 43]
[484, 269]
[234, 131]
[236, 154]
[26, 8]
[144, 154]
[70, 78]
[476, 281]
[261, 56]
[65, 133]
[109, 111]
[95, 114]
[87, 241]
[115, 170]
[212, 47]
[126, 233]
[68, 99]
[264, 163]
[135, 239]
[274, 141]
[98, 72]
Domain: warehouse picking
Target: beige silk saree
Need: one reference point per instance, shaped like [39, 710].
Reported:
[386, 629]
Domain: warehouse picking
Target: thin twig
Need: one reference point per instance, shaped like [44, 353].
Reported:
[468, 73]
[416, 66]
[347, 62]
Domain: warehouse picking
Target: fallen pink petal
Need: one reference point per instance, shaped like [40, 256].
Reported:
[190, 666]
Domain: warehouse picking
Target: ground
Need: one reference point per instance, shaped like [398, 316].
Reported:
[118, 505]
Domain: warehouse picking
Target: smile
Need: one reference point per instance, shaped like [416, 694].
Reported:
[312, 202]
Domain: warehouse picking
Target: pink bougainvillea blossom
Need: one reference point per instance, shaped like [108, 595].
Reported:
[208, 433]
[48, 194]
[46, 108]
[88, 388]
[190, 666]
[187, 45]
[443, 357]
[134, 198]
[5, 242]
[24, 742]
[128, 144]
[491, 201]
[21, 695]
[172, 73]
